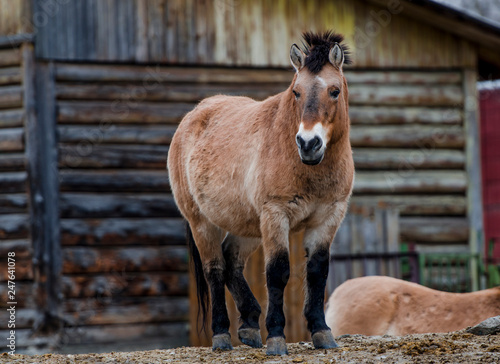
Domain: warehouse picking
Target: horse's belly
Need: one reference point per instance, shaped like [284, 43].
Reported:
[232, 214]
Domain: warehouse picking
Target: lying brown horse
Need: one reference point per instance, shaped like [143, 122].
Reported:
[383, 305]
[245, 173]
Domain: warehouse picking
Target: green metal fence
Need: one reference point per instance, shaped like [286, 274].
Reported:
[449, 272]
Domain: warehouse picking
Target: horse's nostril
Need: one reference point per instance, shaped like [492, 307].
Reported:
[315, 144]
[301, 142]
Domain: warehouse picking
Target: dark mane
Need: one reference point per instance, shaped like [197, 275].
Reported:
[317, 47]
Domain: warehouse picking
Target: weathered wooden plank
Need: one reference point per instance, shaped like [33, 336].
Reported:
[11, 140]
[175, 332]
[10, 76]
[12, 162]
[23, 272]
[85, 205]
[96, 112]
[14, 226]
[132, 93]
[416, 77]
[410, 182]
[125, 310]
[10, 57]
[117, 134]
[113, 156]
[114, 181]
[24, 294]
[424, 137]
[25, 339]
[151, 75]
[25, 318]
[124, 284]
[13, 203]
[13, 182]
[11, 97]
[404, 115]
[445, 95]
[22, 248]
[434, 229]
[473, 168]
[11, 118]
[407, 159]
[124, 259]
[123, 231]
[416, 204]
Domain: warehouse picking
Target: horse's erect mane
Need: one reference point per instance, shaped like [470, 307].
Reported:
[317, 48]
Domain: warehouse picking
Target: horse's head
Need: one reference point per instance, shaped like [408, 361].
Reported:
[320, 94]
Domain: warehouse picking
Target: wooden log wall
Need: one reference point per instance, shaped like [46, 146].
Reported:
[239, 32]
[14, 195]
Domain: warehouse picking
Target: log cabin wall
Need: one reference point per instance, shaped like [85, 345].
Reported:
[117, 77]
[14, 192]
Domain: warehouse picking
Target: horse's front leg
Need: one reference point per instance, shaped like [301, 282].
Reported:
[275, 229]
[317, 244]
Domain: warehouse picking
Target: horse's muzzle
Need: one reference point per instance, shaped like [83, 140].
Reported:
[311, 151]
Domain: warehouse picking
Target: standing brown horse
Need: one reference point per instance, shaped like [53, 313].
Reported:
[245, 173]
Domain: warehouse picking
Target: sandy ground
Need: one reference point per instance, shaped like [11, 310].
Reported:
[459, 347]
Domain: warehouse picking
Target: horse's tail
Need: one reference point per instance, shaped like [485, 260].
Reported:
[201, 282]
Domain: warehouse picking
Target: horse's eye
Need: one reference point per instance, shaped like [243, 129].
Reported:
[297, 94]
[335, 93]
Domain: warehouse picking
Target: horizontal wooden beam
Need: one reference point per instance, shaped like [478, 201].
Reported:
[21, 247]
[96, 205]
[10, 76]
[416, 204]
[113, 156]
[124, 259]
[11, 140]
[114, 181]
[125, 310]
[12, 162]
[123, 231]
[99, 112]
[14, 226]
[89, 135]
[444, 95]
[405, 182]
[13, 203]
[124, 284]
[11, 118]
[434, 229]
[23, 272]
[368, 115]
[407, 159]
[10, 57]
[424, 137]
[11, 97]
[151, 75]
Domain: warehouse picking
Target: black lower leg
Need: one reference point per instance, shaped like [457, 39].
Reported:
[317, 273]
[247, 304]
[220, 319]
[277, 275]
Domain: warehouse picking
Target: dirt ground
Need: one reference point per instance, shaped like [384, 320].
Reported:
[458, 347]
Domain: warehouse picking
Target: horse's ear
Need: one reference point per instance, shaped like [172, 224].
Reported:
[336, 56]
[297, 57]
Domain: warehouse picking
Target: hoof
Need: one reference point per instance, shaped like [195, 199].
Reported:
[222, 342]
[276, 346]
[324, 340]
[250, 337]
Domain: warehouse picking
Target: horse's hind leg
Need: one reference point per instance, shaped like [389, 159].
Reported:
[208, 238]
[236, 252]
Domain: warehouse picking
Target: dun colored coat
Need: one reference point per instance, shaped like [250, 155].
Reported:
[384, 305]
[245, 173]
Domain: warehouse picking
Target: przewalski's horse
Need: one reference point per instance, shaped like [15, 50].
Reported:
[245, 173]
[383, 305]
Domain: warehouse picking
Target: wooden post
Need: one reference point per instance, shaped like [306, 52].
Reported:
[41, 154]
[473, 168]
